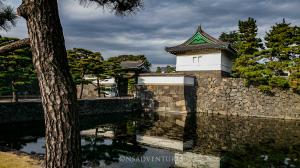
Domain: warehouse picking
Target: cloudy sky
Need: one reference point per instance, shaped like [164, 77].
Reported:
[160, 23]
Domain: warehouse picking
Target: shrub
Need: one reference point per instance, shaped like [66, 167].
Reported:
[279, 82]
[265, 88]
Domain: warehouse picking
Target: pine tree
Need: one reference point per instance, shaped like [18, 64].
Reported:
[231, 37]
[248, 47]
[16, 69]
[283, 52]
[158, 70]
[249, 43]
[7, 16]
[83, 62]
[170, 69]
[57, 88]
[98, 70]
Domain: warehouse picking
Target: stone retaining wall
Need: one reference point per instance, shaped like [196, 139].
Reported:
[230, 96]
[32, 111]
[167, 98]
[89, 91]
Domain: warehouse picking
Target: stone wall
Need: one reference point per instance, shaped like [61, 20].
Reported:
[208, 74]
[32, 111]
[231, 96]
[167, 98]
[228, 96]
[89, 91]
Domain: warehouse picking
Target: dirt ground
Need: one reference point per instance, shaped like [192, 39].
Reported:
[11, 160]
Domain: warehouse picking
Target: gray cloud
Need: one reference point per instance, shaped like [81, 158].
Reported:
[161, 23]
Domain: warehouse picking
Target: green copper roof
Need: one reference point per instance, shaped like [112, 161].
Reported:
[200, 41]
[198, 38]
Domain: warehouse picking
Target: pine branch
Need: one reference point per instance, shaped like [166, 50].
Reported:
[121, 7]
[15, 45]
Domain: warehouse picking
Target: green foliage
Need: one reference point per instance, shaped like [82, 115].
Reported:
[131, 85]
[248, 46]
[280, 82]
[16, 69]
[120, 7]
[7, 17]
[248, 41]
[231, 37]
[279, 41]
[168, 69]
[158, 70]
[84, 62]
[265, 88]
[114, 69]
[283, 52]
[266, 66]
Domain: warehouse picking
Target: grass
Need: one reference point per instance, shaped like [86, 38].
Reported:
[10, 160]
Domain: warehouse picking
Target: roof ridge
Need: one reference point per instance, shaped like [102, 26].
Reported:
[211, 37]
[204, 41]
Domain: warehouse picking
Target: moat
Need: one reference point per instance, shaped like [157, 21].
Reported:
[172, 140]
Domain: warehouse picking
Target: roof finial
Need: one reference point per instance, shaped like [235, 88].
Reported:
[199, 28]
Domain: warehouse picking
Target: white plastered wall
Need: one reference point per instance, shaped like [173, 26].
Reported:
[204, 62]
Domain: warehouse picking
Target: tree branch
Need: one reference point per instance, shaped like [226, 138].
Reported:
[121, 7]
[15, 45]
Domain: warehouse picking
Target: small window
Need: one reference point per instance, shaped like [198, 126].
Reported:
[199, 58]
[194, 59]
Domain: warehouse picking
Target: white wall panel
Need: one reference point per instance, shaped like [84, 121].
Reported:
[163, 80]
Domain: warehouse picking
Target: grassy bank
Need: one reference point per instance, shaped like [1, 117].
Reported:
[10, 160]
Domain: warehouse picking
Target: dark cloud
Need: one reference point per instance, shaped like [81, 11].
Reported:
[161, 23]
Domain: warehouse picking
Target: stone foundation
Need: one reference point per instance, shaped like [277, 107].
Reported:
[208, 74]
[167, 98]
[230, 96]
[167, 92]
[89, 91]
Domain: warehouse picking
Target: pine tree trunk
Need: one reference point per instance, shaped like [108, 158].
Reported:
[58, 91]
[82, 85]
[81, 91]
[98, 88]
[14, 94]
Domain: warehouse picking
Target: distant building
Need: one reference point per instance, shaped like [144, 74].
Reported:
[166, 69]
[203, 53]
[133, 66]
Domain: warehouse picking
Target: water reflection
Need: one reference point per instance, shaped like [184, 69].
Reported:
[107, 140]
[249, 141]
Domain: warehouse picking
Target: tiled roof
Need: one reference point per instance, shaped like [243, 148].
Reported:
[198, 42]
[131, 64]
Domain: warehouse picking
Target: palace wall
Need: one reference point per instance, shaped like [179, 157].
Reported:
[166, 92]
[166, 98]
[227, 96]
[89, 91]
[230, 96]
